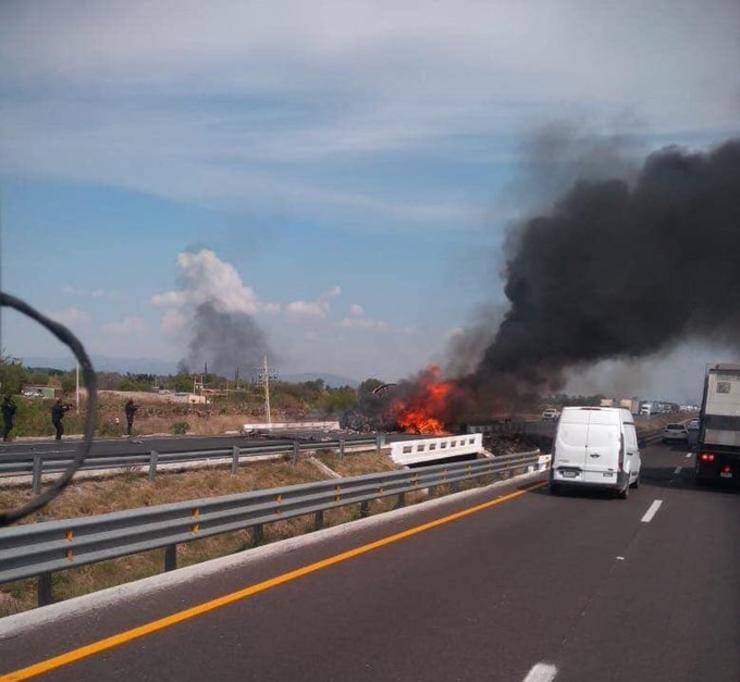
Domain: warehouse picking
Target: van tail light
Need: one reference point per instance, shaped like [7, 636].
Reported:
[706, 457]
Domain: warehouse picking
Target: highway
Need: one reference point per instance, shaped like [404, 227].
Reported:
[522, 586]
[124, 446]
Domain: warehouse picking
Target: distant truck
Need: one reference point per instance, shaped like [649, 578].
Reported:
[647, 408]
[631, 404]
[718, 444]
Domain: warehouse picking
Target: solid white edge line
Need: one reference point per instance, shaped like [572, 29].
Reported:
[652, 511]
[541, 672]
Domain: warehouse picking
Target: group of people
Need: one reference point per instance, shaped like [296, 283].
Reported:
[58, 410]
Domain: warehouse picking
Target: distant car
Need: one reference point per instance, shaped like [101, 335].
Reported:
[550, 414]
[694, 425]
[674, 432]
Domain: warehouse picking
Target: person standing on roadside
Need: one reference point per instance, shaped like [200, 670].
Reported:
[58, 410]
[8, 409]
[130, 409]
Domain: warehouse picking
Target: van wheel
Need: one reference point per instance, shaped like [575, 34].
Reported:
[636, 484]
[624, 494]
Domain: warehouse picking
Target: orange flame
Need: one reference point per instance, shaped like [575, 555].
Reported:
[424, 411]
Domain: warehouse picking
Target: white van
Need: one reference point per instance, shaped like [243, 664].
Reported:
[595, 446]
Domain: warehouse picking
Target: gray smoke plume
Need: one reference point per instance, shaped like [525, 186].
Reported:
[216, 307]
[224, 341]
[620, 269]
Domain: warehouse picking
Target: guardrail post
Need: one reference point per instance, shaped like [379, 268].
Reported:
[257, 534]
[379, 442]
[319, 519]
[364, 509]
[341, 447]
[295, 451]
[401, 500]
[170, 557]
[44, 594]
[234, 459]
[153, 459]
[38, 469]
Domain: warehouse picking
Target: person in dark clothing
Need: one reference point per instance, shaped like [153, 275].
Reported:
[58, 411]
[130, 409]
[9, 409]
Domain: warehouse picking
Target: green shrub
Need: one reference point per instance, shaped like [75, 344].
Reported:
[109, 429]
[180, 428]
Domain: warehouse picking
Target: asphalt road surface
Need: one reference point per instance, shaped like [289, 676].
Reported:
[125, 446]
[582, 587]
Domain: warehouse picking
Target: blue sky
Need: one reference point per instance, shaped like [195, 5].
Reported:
[376, 151]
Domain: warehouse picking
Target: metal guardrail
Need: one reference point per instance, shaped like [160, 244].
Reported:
[37, 550]
[38, 464]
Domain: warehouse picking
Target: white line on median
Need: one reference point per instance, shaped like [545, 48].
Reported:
[688, 454]
[541, 672]
[652, 511]
[677, 470]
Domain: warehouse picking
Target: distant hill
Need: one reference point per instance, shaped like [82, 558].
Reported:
[104, 363]
[331, 380]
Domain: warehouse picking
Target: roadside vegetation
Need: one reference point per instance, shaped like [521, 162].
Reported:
[231, 404]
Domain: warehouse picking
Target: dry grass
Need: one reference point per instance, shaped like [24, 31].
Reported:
[660, 421]
[134, 490]
[131, 490]
[355, 464]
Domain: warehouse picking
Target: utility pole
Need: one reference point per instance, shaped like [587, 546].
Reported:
[264, 376]
[266, 371]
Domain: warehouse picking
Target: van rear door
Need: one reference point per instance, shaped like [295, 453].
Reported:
[571, 439]
[603, 445]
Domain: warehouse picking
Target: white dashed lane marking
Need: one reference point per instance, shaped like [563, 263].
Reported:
[677, 470]
[688, 454]
[652, 511]
[541, 672]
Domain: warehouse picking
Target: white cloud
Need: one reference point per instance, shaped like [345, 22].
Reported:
[363, 323]
[318, 308]
[341, 82]
[357, 319]
[94, 293]
[128, 326]
[71, 317]
[206, 278]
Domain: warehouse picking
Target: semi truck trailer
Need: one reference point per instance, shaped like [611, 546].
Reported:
[718, 445]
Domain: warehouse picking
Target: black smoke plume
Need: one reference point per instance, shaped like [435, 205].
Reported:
[620, 269]
[224, 341]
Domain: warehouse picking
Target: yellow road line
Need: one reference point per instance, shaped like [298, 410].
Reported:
[206, 607]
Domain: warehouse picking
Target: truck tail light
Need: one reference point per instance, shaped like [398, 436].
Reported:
[726, 469]
[706, 457]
